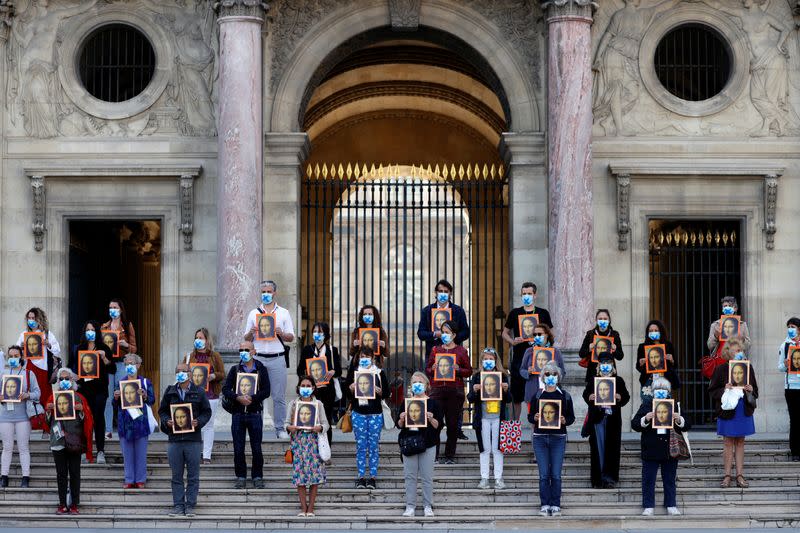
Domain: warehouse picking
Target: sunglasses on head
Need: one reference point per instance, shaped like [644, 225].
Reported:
[550, 374]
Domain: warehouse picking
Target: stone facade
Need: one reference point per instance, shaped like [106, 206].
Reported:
[609, 150]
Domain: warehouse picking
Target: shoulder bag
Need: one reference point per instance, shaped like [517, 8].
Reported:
[412, 443]
[324, 446]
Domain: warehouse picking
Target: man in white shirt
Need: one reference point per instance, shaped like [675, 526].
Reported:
[270, 353]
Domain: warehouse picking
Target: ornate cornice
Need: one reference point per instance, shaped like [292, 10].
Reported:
[241, 8]
[568, 9]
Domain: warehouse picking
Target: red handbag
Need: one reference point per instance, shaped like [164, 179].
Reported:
[510, 437]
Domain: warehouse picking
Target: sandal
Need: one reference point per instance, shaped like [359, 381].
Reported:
[741, 482]
[726, 481]
[301, 515]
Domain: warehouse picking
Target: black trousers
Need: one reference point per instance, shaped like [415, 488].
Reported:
[68, 470]
[98, 407]
[793, 404]
[451, 400]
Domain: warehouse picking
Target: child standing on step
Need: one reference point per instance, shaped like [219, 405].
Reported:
[308, 467]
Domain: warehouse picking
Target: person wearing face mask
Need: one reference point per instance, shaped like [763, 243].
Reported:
[133, 426]
[127, 344]
[247, 416]
[655, 451]
[44, 368]
[203, 352]
[550, 444]
[184, 449]
[542, 336]
[444, 300]
[69, 439]
[602, 329]
[791, 384]
[486, 418]
[604, 425]
[321, 347]
[308, 468]
[95, 390]
[367, 417]
[273, 354]
[714, 343]
[450, 394]
[656, 333]
[418, 468]
[14, 421]
[519, 346]
[368, 317]
[734, 409]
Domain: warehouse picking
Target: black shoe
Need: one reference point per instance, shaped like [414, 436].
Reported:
[258, 483]
[462, 436]
[796, 458]
[609, 485]
[361, 483]
[4, 482]
[371, 483]
[240, 483]
[25, 482]
[449, 461]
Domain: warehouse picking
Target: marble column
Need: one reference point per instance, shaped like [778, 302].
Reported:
[240, 166]
[569, 133]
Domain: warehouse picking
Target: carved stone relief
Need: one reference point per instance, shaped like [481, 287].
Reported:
[404, 14]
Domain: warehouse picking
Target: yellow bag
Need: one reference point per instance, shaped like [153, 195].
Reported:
[345, 424]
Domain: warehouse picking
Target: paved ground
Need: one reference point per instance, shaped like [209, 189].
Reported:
[197, 530]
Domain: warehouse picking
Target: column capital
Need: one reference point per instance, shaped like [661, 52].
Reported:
[556, 10]
[241, 8]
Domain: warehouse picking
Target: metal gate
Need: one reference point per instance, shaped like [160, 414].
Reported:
[383, 235]
[693, 264]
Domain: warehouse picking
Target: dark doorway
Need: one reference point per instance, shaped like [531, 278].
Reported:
[117, 259]
[693, 264]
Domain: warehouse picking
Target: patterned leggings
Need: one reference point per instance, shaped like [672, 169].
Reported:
[367, 430]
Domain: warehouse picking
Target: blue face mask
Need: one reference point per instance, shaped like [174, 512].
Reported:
[539, 340]
[305, 392]
[442, 297]
[244, 356]
[605, 368]
[551, 381]
[319, 338]
[727, 310]
[13, 362]
[654, 335]
[113, 312]
[368, 319]
[527, 299]
[266, 298]
[130, 370]
[660, 394]
[91, 335]
[739, 356]
[364, 362]
[199, 344]
[417, 388]
[446, 338]
[31, 324]
[488, 364]
[65, 384]
[792, 332]
[181, 377]
[602, 324]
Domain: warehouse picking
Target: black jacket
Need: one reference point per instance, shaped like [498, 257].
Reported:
[93, 388]
[262, 388]
[373, 407]
[567, 410]
[477, 410]
[425, 333]
[431, 434]
[671, 374]
[716, 388]
[655, 446]
[586, 353]
[326, 394]
[201, 410]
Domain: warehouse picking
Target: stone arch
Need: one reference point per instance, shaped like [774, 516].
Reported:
[339, 26]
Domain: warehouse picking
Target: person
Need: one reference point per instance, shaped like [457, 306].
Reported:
[656, 333]
[44, 368]
[68, 440]
[184, 449]
[542, 336]
[14, 422]
[486, 418]
[324, 392]
[604, 425]
[204, 353]
[444, 368]
[734, 409]
[95, 390]
[126, 341]
[308, 468]
[247, 417]
[602, 329]
[367, 418]
[519, 345]
[418, 468]
[271, 353]
[133, 427]
[368, 317]
[444, 296]
[550, 444]
[791, 385]
[655, 450]
[715, 342]
[450, 394]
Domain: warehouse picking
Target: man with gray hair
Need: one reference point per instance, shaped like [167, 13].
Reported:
[270, 352]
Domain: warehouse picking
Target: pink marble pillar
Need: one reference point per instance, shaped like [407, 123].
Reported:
[240, 160]
[569, 133]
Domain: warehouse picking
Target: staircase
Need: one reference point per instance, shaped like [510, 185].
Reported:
[773, 499]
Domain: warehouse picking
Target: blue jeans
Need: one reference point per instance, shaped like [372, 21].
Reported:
[550, 458]
[134, 455]
[242, 424]
[669, 471]
[113, 385]
[185, 455]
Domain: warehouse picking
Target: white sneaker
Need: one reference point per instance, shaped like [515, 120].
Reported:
[101, 458]
[555, 511]
[673, 511]
[648, 511]
[428, 512]
[544, 511]
[484, 484]
[409, 512]
[282, 435]
[499, 484]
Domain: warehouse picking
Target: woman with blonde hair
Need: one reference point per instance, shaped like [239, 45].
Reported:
[419, 466]
[204, 353]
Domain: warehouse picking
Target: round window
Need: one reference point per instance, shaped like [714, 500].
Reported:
[693, 62]
[116, 63]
